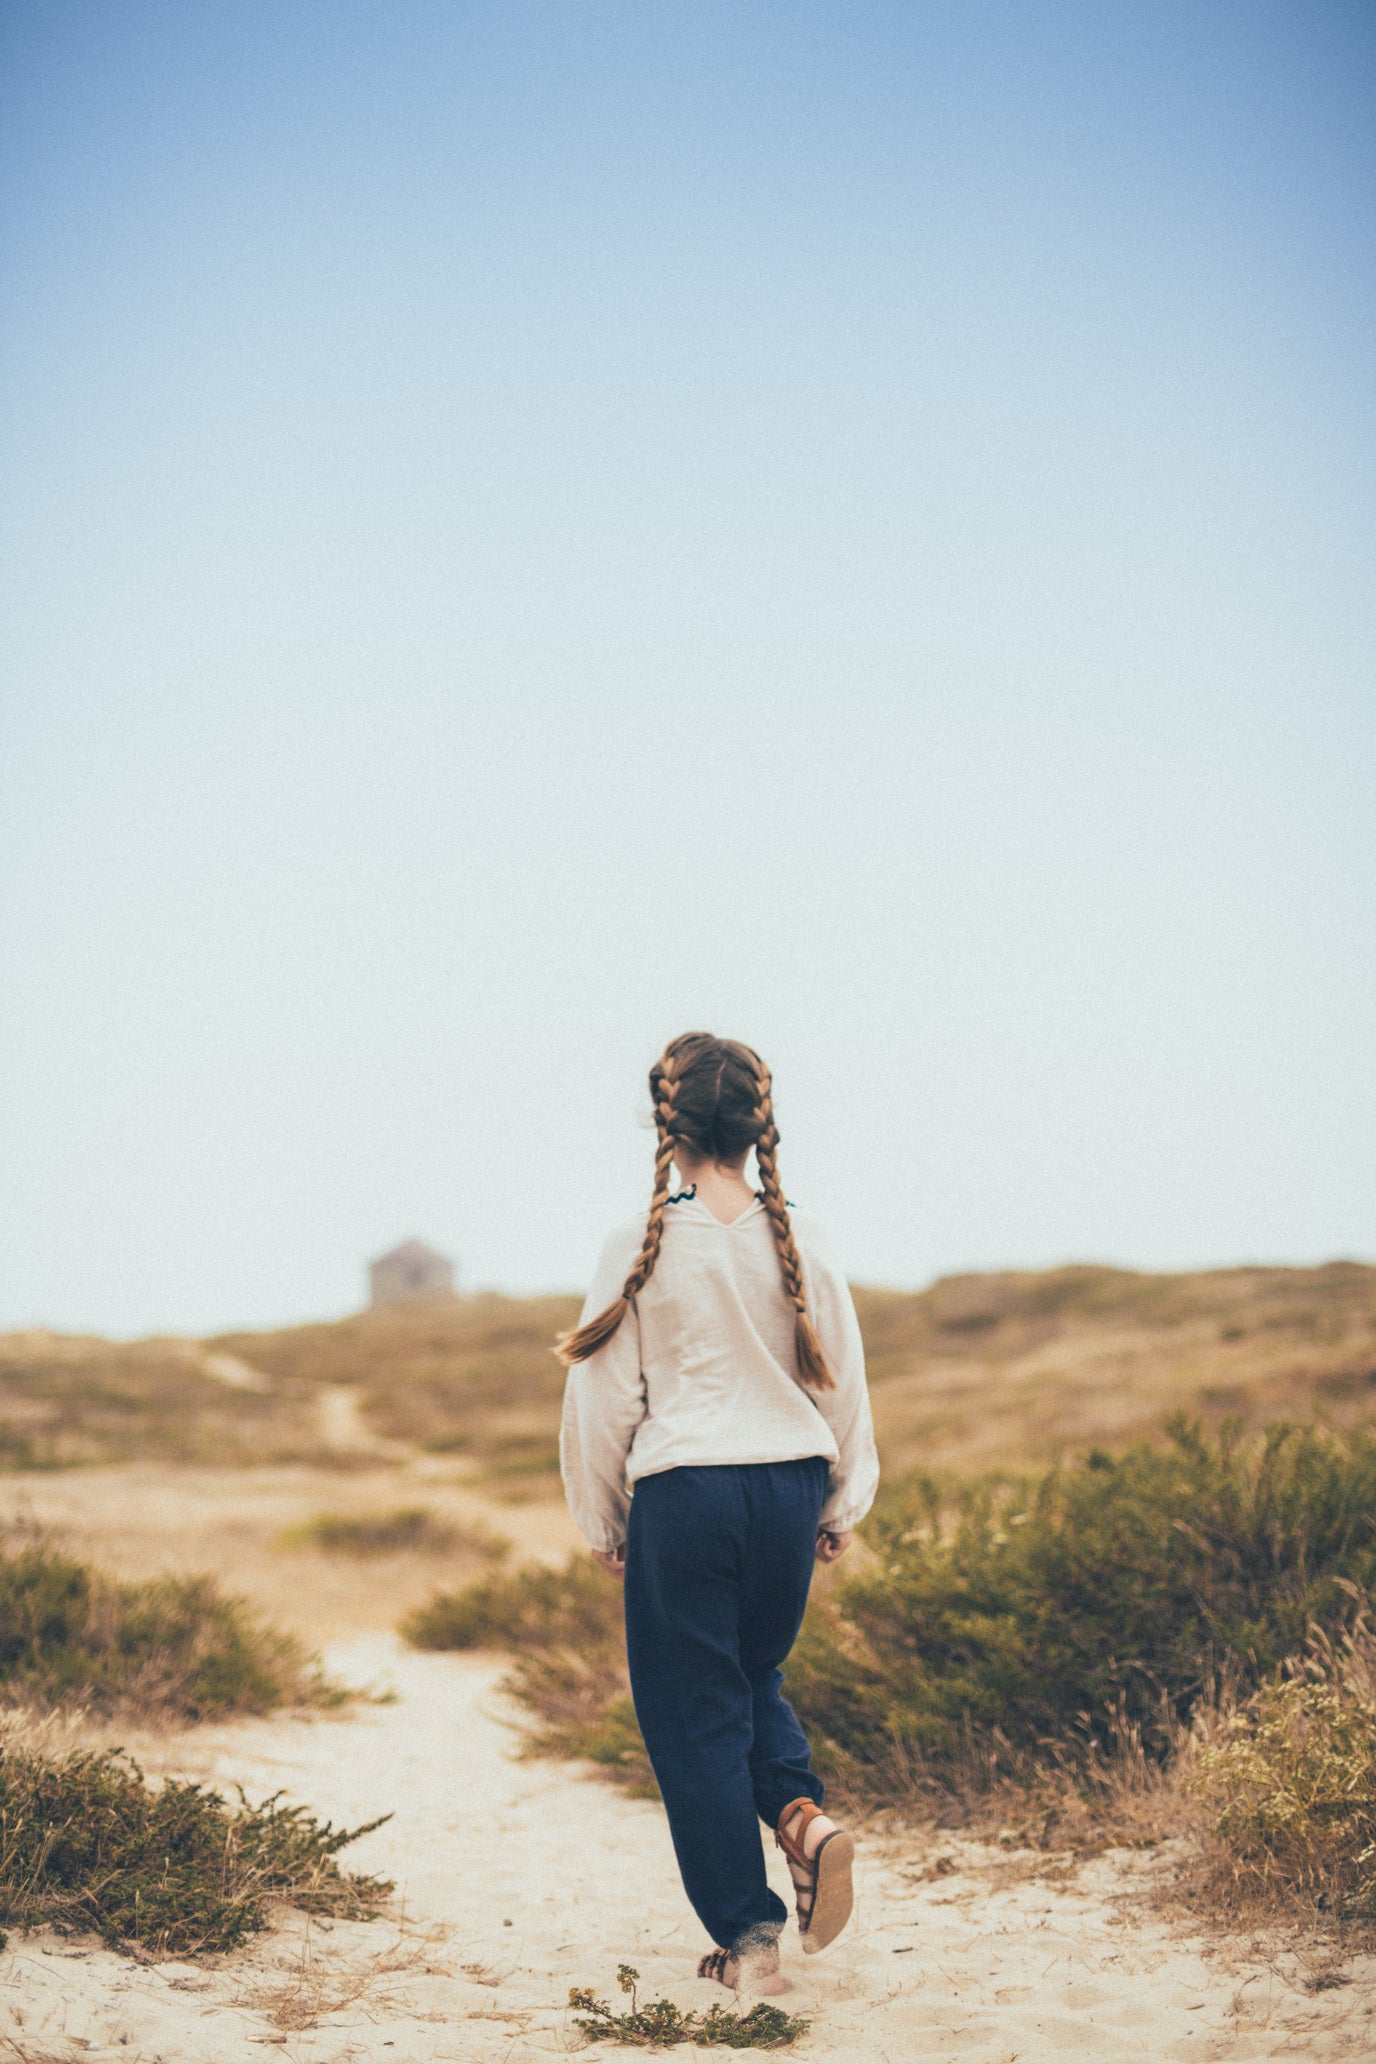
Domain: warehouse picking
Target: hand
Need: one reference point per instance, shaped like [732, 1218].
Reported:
[612, 1560]
[831, 1544]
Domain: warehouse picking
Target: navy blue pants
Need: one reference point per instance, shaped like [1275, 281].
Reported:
[718, 1562]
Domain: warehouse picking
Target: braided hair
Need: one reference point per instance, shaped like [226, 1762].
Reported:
[714, 1096]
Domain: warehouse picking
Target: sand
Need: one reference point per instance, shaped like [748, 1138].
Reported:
[517, 1880]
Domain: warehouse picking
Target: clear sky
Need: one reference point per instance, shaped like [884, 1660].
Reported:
[528, 528]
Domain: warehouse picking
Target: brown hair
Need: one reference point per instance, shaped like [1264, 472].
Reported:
[714, 1096]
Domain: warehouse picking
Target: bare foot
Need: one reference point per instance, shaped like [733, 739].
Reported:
[755, 1971]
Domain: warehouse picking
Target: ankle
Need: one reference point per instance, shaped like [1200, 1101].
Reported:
[757, 1968]
[807, 1831]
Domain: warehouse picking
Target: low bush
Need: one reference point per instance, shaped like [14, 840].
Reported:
[1291, 1782]
[1107, 1595]
[87, 1844]
[173, 1648]
[999, 1626]
[530, 1608]
[410, 1529]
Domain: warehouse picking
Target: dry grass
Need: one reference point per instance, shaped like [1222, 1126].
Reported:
[471, 1377]
[1288, 1783]
[70, 1400]
[1012, 1370]
[309, 1985]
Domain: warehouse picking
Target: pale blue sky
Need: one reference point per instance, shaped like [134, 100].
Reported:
[529, 528]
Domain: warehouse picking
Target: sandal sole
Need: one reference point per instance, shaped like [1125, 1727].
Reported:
[834, 1898]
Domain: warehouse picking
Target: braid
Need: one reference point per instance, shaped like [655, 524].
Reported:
[585, 1340]
[715, 1097]
[812, 1362]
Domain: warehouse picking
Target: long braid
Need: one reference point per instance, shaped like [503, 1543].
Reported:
[585, 1340]
[812, 1362]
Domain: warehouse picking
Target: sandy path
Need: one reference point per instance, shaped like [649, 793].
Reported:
[518, 1880]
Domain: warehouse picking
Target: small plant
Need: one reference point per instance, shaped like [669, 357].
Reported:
[410, 1529]
[1292, 1782]
[661, 2023]
[87, 1844]
[172, 1648]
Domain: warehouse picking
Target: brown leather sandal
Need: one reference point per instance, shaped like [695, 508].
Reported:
[828, 1884]
[751, 1967]
[714, 1964]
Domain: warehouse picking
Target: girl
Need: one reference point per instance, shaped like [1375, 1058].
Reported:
[718, 1368]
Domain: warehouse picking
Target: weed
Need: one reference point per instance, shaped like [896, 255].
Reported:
[661, 2023]
[87, 1844]
[174, 1647]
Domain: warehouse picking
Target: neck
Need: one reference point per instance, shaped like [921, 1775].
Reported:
[721, 1186]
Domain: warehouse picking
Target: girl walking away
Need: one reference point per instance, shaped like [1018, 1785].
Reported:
[716, 1441]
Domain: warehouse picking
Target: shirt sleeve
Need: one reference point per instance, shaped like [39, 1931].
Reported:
[604, 1403]
[846, 1409]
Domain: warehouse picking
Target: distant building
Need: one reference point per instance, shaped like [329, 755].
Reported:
[410, 1272]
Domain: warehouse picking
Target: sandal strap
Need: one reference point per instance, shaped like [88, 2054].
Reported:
[792, 1845]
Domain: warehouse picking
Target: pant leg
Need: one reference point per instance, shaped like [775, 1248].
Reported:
[786, 1500]
[686, 1554]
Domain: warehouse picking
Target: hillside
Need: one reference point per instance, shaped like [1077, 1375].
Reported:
[998, 1370]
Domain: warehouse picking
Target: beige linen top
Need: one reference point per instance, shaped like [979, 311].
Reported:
[702, 1369]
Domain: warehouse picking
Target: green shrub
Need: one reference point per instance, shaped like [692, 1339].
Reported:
[174, 1647]
[1292, 1783]
[532, 1607]
[999, 1624]
[87, 1844]
[1108, 1594]
[408, 1529]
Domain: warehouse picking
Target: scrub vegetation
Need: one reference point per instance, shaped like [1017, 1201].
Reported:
[169, 1649]
[1068, 1645]
[86, 1844]
[1116, 1591]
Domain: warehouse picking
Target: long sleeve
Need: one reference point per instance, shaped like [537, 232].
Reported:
[846, 1409]
[604, 1403]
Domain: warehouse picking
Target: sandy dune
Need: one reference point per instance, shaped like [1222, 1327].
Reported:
[519, 1879]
